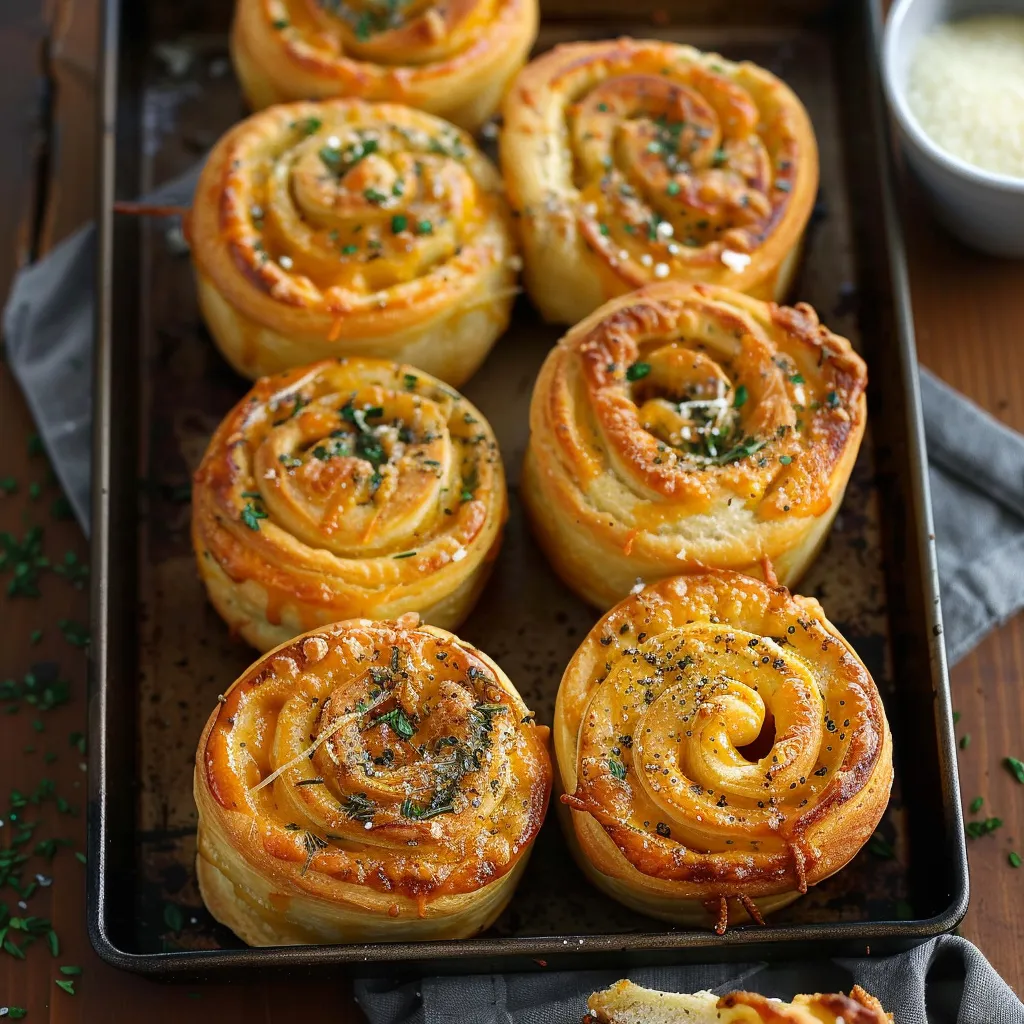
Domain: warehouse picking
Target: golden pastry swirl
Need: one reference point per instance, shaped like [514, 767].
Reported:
[350, 488]
[346, 228]
[452, 59]
[628, 161]
[687, 425]
[369, 781]
[626, 1003]
[721, 747]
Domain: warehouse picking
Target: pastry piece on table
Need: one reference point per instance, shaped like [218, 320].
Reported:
[367, 782]
[626, 1003]
[350, 228]
[351, 488]
[452, 59]
[720, 748]
[684, 426]
[628, 161]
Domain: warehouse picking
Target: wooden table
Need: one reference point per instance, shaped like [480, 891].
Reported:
[969, 313]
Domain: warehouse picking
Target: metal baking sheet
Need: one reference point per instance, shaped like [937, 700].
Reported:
[162, 654]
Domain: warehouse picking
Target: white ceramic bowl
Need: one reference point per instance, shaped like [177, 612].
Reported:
[982, 208]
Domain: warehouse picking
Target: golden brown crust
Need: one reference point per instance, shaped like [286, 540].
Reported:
[369, 780]
[350, 488]
[626, 1003]
[629, 160]
[348, 228]
[682, 796]
[686, 425]
[453, 59]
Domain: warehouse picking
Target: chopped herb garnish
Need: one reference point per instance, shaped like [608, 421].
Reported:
[424, 227]
[672, 188]
[977, 829]
[415, 812]
[399, 223]
[308, 125]
[348, 250]
[359, 807]
[251, 516]
[310, 782]
[1014, 858]
[410, 380]
[66, 985]
[637, 371]
[796, 378]
[397, 719]
[965, 741]
[405, 554]
[785, 459]
[313, 844]
[280, 23]
[976, 804]
[74, 632]
[372, 195]
[1015, 768]
[617, 768]
[832, 400]
[740, 399]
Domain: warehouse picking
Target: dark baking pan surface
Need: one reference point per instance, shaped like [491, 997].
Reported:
[162, 655]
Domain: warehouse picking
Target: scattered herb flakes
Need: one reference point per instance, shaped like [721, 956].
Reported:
[8, 485]
[174, 917]
[80, 857]
[13, 1012]
[977, 829]
[740, 398]
[976, 804]
[616, 767]
[25, 558]
[672, 188]
[416, 812]
[879, 846]
[74, 632]
[280, 23]
[374, 196]
[313, 845]
[399, 222]
[785, 459]
[35, 636]
[956, 717]
[1015, 768]
[251, 515]
[1014, 858]
[34, 490]
[66, 985]
[832, 400]
[965, 741]
[77, 740]
[410, 380]
[424, 227]
[75, 571]
[53, 943]
[70, 969]
[359, 807]
[796, 378]
[637, 371]
[405, 554]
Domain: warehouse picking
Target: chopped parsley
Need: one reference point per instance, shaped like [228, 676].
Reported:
[741, 397]
[251, 515]
[637, 371]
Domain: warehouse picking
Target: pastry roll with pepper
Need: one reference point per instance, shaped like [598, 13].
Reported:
[367, 782]
[628, 161]
[684, 426]
[626, 1003]
[354, 488]
[349, 228]
[720, 749]
[452, 59]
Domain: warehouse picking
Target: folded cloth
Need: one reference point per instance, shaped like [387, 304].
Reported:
[944, 981]
[976, 465]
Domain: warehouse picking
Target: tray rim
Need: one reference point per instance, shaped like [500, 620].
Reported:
[517, 952]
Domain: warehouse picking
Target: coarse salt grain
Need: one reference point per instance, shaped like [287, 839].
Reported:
[735, 261]
[966, 88]
[286, 262]
[661, 270]
[459, 554]
[646, 259]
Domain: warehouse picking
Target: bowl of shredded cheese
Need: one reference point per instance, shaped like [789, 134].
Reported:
[954, 78]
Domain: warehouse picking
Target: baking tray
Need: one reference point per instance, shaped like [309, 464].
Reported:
[161, 654]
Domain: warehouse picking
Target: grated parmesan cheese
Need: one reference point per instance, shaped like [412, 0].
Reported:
[966, 88]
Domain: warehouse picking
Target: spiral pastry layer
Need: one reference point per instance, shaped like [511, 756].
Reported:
[628, 161]
[626, 1003]
[685, 426]
[366, 782]
[348, 228]
[351, 488]
[721, 748]
[452, 59]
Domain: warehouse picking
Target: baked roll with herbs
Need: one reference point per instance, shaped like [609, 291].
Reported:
[626, 1003]
[452, 59]
[685, 426]
[354, 488]
[629, 161]
[349, 228]
[720, 749]
[367, 782]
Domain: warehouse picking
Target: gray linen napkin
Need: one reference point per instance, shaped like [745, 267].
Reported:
[944, 981]
[976, 464]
